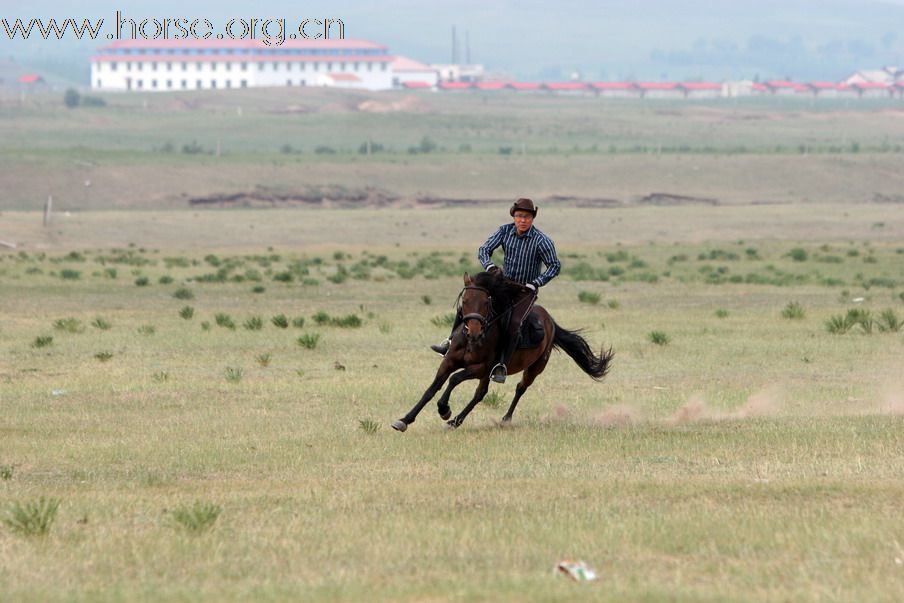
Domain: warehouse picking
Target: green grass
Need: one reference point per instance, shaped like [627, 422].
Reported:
[752, 458]
[31, 518]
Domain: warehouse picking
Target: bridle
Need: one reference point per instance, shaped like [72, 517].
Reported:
[485, 321]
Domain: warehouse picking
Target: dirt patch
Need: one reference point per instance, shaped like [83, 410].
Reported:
[336, 196]
[407, 104]
[583, 201]
[673, 199]
[880, 198]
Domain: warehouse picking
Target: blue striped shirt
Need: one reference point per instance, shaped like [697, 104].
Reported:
[523, 255]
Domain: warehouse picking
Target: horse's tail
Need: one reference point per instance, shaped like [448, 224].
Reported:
[577, 347]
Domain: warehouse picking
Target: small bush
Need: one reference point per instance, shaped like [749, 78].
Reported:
[255, 323]
[165, 279]
[264, 359]
[70, 325]
[798, 255]
[889, 321]
[104, 356]
[32, 518]
[309, 340]
[234, 374]
[280, 321]
[658, 337]
[100, 323]
[160, 376]
[147, 329]
[793, 311]
[426, 300]
[350, 321]
[613, 304]
[444, 320]
[721, 313]
[321, 318]
[258, 289]
[42, 341]
[6, 472]
[587, 297]
[284, 277]
[298, 322]
[493, 399]
[198, 517]
[70, 275]
[183, 293]
[187, 312]
[205, 326]
[142, 281]
[110, 272]
[224, 320]
[369, 426]
[385, 328]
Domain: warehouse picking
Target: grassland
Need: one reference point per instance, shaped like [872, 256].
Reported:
[753, 457]
[207, 393]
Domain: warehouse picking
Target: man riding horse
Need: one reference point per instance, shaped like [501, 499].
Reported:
[525, 248]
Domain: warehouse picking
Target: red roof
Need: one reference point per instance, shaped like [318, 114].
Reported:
[565, 86]
[801, 88]
[759, 87]
[870, 85]
[489, 85]
[454, 85]
[611, 85]
[900, 83]
[228, 58]
[415, 85]
[780, 84]
[30, 78]
[700, 86]
[523, 85]
[824, 85]
[400, 63]
[657, 85]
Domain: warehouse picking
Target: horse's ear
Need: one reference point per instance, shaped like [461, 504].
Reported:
[467, 279]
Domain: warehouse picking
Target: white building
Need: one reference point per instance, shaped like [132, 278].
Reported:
[459, 73]
[168, 65]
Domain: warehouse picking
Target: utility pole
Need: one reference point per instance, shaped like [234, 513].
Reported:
[48, 207]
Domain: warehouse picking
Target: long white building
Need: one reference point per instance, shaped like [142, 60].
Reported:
[169, 65]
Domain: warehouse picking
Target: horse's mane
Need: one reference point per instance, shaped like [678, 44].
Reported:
[502, 290]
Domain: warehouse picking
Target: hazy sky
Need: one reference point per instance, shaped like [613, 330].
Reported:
[540, 40]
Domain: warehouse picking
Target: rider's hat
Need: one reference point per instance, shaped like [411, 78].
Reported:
[523, 204]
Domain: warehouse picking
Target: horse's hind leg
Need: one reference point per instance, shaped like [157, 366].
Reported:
[481, 391]
[530, 373]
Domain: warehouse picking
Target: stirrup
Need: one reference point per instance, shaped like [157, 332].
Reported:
[442, 348]
[498, 373]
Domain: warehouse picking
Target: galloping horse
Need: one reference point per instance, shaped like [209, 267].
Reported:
[485, 301]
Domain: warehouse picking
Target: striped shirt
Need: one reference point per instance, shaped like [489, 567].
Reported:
[523, 255]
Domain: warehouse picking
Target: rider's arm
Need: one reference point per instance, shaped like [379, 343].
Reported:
[486, 250]
[547, 251]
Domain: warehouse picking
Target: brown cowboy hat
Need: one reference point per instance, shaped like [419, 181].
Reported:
[523, 204]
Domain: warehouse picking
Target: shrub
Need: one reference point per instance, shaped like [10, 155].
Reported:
[321, 317]
[368, 426]
[187, 312]
[658, 337]
[160, 376]
[889, 321]
[32, 518]
[6, 472]
[142, 281]
[798, 255]
[493, 399]
[255, 323]
[613, 304]
[147, 329]
[280, 321]
[183, 293]
[70, 325]
[197, 518]
[793, 311]
[165, 279]
[100, 323]
[284, 277]
[349, 321]
[234, 374]
[104, 356]
[721, 313]
[587, 297]
[42, 341]
[224, 320]
[258, 289]
[264, 359]
[426, 300]
[444, 320]
[309, 340]
[70, 275]
[298, 322]
[71, 98]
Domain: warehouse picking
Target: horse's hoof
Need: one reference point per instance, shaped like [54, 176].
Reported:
[445, 416]
[505, 422]
[399, 425]
[450, 425]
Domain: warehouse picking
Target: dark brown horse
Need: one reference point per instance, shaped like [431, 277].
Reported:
[485, 301]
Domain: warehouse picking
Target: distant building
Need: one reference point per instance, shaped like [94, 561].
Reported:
[886, 75]
[408, 73]
[168, 65]
[459, 73]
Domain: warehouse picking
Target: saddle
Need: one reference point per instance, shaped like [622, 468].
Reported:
[532, 332]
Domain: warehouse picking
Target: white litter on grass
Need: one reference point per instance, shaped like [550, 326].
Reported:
[57, 392]
[576, 570]
[858, 300]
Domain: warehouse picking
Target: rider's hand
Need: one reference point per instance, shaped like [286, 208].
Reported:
[494, 270]
[532, 287]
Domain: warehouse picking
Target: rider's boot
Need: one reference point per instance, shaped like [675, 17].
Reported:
[442, 348]
[500, 372]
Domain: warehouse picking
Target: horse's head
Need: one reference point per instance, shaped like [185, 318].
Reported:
[476, 308]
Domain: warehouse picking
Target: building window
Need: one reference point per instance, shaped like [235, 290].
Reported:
[316, 66]
[229, 83]
[169, 84]
[198, 66]
[184, 66]
[329, 66]
[198, 84]
[153, 65]
[288, 82]
[213, 66]
[128, 65]
[228, 66]
[382, 66]
[244, 83]
[99, 85]
[141, 83]
[153, 83]
[302, 83]
[288, 66]
[355, 66]
[113, 66]
[342, 66]
[213, 83]
[370, 66]
[184, 84]
[275, 66]
[260, 66]
[169, 66]
[244, 66]
[302, 66]
[140, 66]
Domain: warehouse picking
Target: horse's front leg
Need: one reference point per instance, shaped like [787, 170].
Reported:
[442, 405]
[481, 391]
[445, 369]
